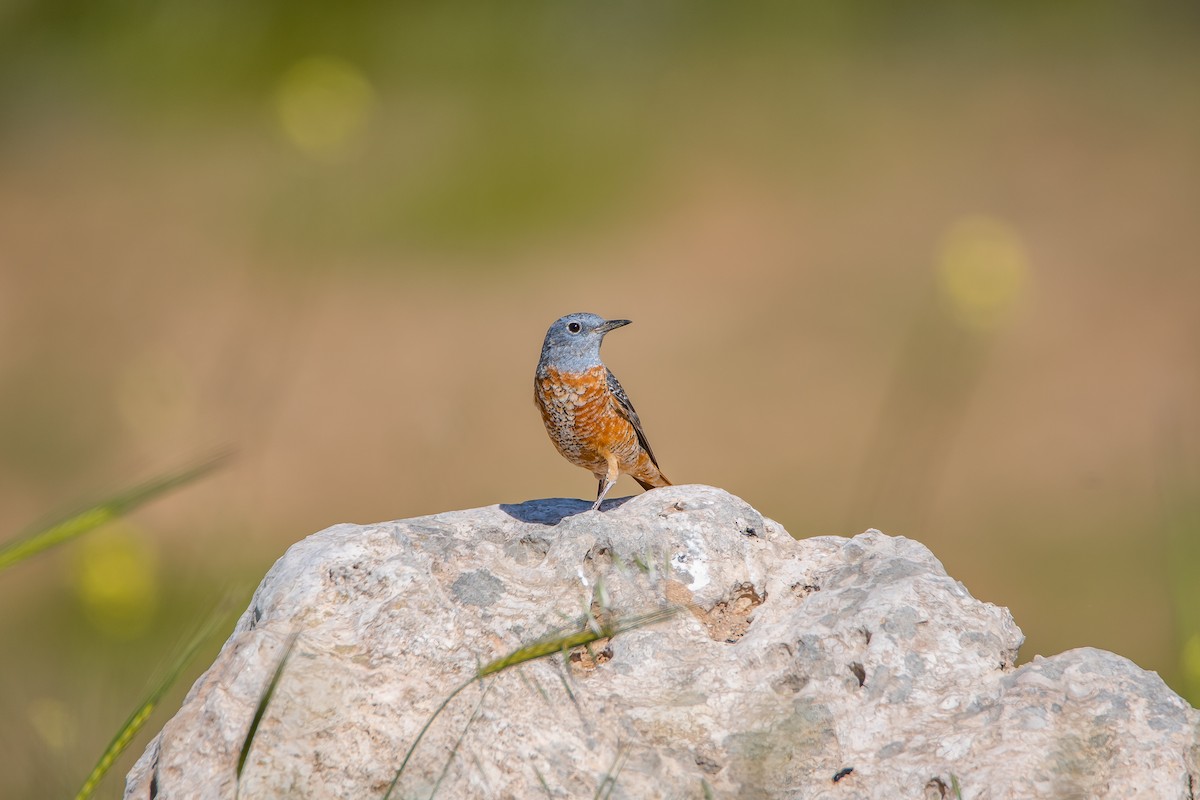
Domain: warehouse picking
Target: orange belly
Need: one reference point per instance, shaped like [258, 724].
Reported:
[581, 417]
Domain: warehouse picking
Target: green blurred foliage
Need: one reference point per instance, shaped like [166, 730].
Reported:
[517, 121]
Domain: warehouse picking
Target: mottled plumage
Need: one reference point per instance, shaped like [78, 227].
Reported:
[585, 409]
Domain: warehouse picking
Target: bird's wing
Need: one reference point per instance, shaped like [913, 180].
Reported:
[625, 408]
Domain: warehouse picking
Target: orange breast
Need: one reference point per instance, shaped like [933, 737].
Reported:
[582, 420]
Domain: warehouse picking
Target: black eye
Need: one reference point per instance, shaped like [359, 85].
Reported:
[574, 327]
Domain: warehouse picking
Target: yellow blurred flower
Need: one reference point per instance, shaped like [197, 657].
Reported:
[116, 579]
[982, 271]
[323, 105]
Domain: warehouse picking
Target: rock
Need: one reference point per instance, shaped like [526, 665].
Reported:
[821, 668]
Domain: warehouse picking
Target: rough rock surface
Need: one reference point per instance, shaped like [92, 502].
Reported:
[821, 668]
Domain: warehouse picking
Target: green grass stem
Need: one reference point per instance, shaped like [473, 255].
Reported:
[263, 702]
[605, 789]
[588, 631]
[44, 537]
[139, 716]
[458, 743]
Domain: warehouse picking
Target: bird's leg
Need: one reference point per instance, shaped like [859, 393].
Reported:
[605, 485]
[607, 481]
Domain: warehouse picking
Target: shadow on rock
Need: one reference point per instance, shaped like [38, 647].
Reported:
[553, 510]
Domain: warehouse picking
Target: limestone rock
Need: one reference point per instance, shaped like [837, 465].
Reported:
[820, 668]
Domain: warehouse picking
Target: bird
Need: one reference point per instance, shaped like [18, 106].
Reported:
[585, 409]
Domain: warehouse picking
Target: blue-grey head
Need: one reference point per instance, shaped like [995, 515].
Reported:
[573, 342]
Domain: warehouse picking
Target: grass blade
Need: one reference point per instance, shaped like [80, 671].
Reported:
[138, 718]
[421, 734]
[590, 630]
[605, 789]
[542, 781]
[263, 702]
[44, 537]
[564, 677]
[458, 744]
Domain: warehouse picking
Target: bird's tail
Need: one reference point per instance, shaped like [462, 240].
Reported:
[658, 480]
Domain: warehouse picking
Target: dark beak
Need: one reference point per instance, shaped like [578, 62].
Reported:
[612, 324]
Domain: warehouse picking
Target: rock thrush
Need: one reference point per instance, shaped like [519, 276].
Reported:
[586, 412]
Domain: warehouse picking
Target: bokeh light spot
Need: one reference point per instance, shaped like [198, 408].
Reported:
[323, 105]
[982, 271]
[116, 579]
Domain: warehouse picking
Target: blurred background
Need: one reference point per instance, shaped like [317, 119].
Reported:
[922, 268]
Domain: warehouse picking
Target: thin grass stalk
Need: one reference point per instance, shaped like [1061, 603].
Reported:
[421, 733]
[42, 538]
[263, 702]
[547, 646]
[457, 744]
[138, 718]
[588, 633]
[534, 685]
[605, 789]
[542, 782]
[564, 678]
